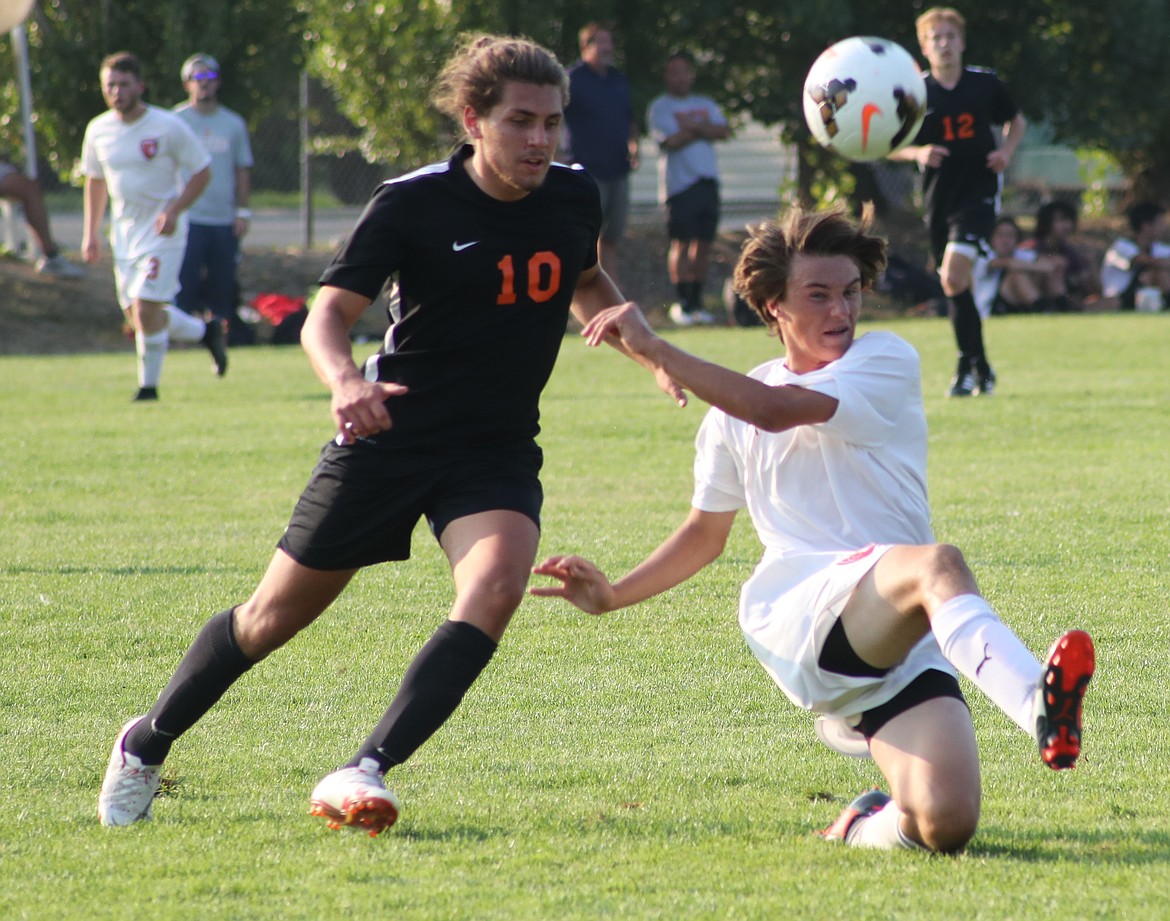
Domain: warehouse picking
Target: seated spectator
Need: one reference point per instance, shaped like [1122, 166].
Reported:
[1140, 260]
[27, 191]
[1056, 222]
[1011, 278]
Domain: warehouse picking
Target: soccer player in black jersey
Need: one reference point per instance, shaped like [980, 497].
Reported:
[488, 252]
[962, 161]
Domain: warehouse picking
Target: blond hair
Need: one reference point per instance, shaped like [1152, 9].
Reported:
[936, 14]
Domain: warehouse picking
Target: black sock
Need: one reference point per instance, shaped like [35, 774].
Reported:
[430, 691]
[211, 666]
[683, 290]
[968, 326]
[696, 295]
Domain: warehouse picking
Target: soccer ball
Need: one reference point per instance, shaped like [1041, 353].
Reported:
[864, 98]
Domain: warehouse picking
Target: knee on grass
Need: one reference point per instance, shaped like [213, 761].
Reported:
[944, 826]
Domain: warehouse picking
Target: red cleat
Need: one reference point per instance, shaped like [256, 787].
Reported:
[1067, 670]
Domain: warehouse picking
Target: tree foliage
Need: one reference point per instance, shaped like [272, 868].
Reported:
[258, 43]
[1094, 73]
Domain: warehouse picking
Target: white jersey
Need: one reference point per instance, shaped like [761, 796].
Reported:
[985, 280]
[1117, 268]
[142, 163]
[820, 497]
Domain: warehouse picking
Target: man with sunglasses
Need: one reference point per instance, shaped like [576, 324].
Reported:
[220, 217]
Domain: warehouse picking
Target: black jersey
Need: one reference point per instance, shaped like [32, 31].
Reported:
[968, 120]
[478, 297]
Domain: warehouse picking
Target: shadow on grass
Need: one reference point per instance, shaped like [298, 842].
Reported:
[1105, 848]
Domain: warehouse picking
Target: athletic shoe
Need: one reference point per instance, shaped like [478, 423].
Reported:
[984, 379]
[1067, 669]
[355, 796]
[145, 394]
[129, 787]
[216, 342]
[869, 803]
[679, 315]
[704, 318]
[59, 267]
[963, 383]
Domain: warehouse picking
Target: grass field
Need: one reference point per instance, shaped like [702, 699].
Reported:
[636, 766]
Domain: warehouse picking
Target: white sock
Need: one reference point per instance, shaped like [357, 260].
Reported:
[986, 651]
[881, 830]
[183, 326]
[151, 349]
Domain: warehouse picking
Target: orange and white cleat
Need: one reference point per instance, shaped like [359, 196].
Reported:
[1068, 667]
[355, 796]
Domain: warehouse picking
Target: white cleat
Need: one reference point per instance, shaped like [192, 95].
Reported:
[355, 796]
[59, 267]
[129, 787]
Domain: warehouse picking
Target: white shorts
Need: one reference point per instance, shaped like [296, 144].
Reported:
[150, 277]
[787, 632]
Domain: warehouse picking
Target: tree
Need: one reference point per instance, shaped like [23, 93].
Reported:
[257, 42]
[1095, 72]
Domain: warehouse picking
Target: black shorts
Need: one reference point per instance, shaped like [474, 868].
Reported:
[361, 504]
[693, 214]
[971, 224]
[838, 656]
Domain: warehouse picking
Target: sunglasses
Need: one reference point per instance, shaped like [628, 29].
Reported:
[205, 75]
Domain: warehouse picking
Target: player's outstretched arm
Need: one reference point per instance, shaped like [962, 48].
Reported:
[358, 405]
[772, 409]
[698, 541]
[595, 292]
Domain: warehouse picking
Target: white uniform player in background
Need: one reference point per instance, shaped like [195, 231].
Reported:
[134, 157]
[854, 610]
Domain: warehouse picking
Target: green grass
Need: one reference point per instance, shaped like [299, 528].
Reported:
[635, 766]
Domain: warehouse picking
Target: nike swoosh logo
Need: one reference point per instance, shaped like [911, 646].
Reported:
[867, 113]
[460, 247]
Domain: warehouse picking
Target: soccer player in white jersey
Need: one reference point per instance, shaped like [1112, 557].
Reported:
[134, 157]
[854, 610]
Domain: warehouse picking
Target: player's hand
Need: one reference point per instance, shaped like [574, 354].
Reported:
[91, 249]
[624, 323]
[359, 408]
[582, 583]
[998, 161]
[625, 326]
[165, 223]
[670, 387]
[932, 155]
